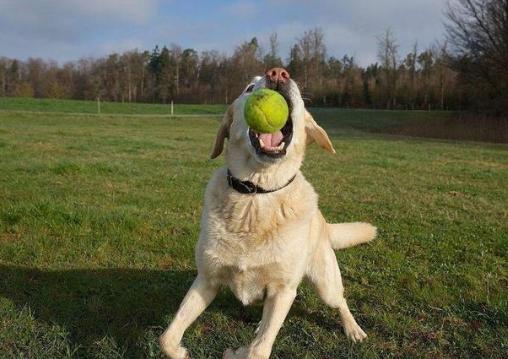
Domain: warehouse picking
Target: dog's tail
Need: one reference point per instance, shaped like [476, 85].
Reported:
[345, 235]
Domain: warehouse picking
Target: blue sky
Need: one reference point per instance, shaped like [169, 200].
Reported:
[68, 29]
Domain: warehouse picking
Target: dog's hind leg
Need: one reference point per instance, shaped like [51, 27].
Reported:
[324, 273]
[344, 235]
[199, 296]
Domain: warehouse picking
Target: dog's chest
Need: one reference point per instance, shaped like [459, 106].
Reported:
[248, 274]
[246, 234]
[253, 228]
[255, 242]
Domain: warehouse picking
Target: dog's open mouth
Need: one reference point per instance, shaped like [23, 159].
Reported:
[273, 145]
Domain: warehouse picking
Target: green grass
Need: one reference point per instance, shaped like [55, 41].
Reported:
[99, 216]
[78, 106]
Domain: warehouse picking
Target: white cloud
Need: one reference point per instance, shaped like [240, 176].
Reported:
[128, 10]
[68, 29]
[52, 10]
[59, 20]
[242, 9]
[352, 27]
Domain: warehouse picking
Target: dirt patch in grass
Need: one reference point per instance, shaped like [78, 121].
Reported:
[466, 127]
[9, 236]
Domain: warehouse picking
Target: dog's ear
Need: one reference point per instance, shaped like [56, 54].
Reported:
[223, 133]
[316, 133]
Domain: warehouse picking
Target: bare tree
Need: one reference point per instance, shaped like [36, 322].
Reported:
[245, 63]
[478, 33]
[312, 50]
[3, 76]
[388, 56]
[272, 58]
[176, 54]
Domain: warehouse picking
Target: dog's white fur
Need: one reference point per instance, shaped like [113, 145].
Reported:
[262, 246]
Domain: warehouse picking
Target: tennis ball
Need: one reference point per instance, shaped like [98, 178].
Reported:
[266, 111]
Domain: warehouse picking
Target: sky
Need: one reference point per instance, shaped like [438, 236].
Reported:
[65, 30]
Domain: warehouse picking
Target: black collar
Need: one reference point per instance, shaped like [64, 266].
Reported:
[248, 187]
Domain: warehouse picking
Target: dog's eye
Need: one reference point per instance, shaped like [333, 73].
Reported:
[249, 88]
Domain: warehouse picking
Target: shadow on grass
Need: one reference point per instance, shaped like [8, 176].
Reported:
[420, 124]
[92, 304]
[121, 304]
[463, 128]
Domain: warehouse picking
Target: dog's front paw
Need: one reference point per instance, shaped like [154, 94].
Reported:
[171, 350]
[354, 332]
[175, 352]
[242, 353]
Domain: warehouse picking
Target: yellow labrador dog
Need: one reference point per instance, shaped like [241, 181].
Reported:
[261, 229]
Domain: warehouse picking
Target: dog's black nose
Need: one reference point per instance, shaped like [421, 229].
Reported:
[277, 75]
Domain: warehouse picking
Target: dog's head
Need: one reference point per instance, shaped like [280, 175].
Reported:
[250, 153]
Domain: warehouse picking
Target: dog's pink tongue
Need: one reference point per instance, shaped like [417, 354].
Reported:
[271, 139]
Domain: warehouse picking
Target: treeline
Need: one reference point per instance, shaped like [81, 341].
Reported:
[422, 79]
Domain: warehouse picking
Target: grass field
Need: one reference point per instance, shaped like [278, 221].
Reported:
[99, 216]
[77, 106]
